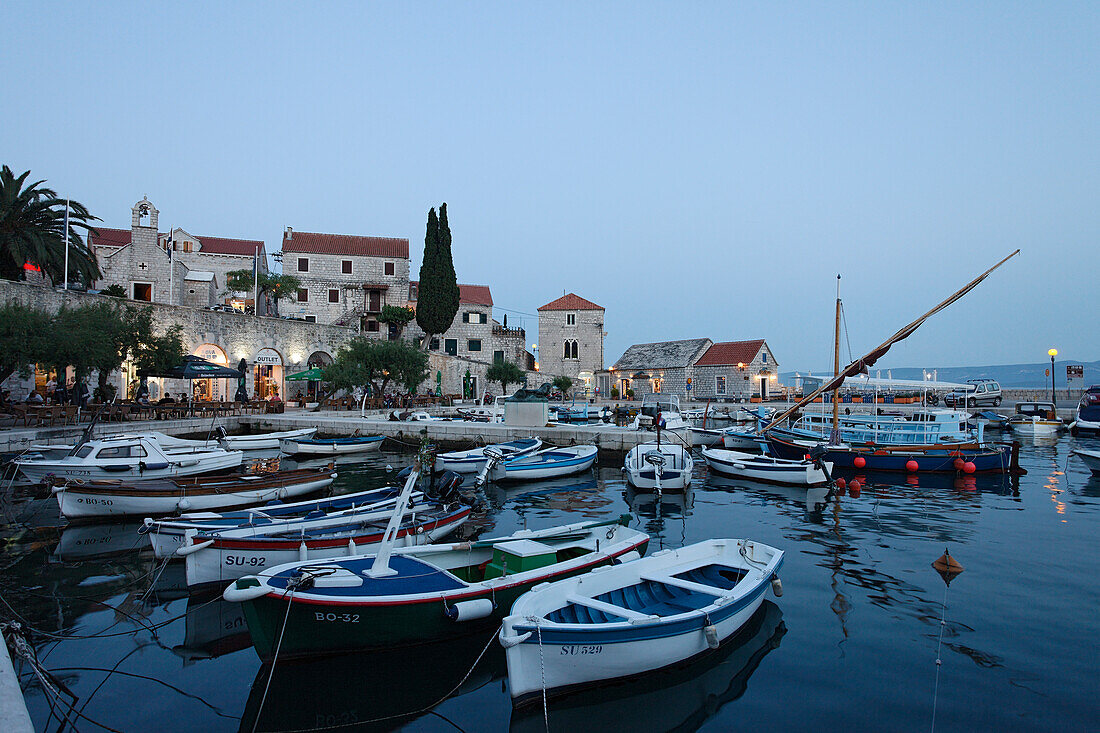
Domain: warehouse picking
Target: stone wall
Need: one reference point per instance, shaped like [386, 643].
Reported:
[493, 338]
[235, 335]
[326, 273]
[555, 330]
[703, 385]
[454, 369]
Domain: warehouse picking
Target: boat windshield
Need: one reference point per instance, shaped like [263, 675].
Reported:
[83, 451]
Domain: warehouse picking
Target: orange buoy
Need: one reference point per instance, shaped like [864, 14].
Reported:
[853, 488]
[841, 483]
[947, 566]
[959, 463]
[969, 467]
[859, 462]
[911, 466]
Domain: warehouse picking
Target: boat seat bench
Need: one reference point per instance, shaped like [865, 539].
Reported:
[608, 608]
[686, 585]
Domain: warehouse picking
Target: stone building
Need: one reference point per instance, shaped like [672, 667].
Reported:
[735, 370]
[474, 333]
[152, 266]
[346, 279]
[571, 339]
[698, 369]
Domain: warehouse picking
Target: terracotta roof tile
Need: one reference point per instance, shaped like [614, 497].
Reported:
[346, 244]
[731, 353]
[571, 302]
[111, 237]
[469, 294]
[222, 246]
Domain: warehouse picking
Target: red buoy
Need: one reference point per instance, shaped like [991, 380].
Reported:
[853, 488]
[911, 466]
[959, 463]
[859, 462]
[841, 483]
[806, 457]
[969, 467]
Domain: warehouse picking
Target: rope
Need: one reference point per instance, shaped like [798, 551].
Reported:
[274, 659]
[542, 665]
[939, 661]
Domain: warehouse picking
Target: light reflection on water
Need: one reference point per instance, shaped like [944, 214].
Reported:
[858, 622]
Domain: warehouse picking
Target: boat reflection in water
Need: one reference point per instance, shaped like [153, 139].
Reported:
[212, 627]
[100, 540]
[814, 498]
[370, 692]
[681, 698]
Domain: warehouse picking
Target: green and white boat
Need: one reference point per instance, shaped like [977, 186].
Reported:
[418, 594]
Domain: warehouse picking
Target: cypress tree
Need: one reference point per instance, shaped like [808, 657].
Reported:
[447, 267]
[437, 300]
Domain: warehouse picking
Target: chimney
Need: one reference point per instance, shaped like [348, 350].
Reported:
[289, 234]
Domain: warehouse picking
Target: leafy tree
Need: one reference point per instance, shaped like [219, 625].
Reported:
[24, 335]
[277, 286]
[398, 315]
[32, 232]
[373, 364]
[437, 300]
[563, 383]
[78, 340]
[506, 373]
[114, 291]
[156, 354]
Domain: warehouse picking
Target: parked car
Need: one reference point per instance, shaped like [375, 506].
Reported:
[985, 392]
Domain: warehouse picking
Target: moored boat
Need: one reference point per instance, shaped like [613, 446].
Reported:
[475, 459]
[546, 463]
[158, 497]
[706, 436]
[659, 466]
[802, 472]
[1087, 417]
[636, 617]
[134, 457]
[1037, 419]
[1091, 458]
[331, 446]
[426, 593]
[949, 458]
[262, 441]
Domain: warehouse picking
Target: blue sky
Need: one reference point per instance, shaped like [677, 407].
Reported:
[699, 169]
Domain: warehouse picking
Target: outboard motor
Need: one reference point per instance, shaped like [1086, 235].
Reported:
[817, 455]
[446, 488]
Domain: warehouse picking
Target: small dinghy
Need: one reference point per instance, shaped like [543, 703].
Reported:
[331, 446]
[228, 554]
[166, 535]
[626, 620]
[1036, 419]
[706, 436]
[657, 466]
[262, 441]
[546, 463]
[1091, 459]
[768, 469]
[742, 440]
[160, 497]
[474, 460]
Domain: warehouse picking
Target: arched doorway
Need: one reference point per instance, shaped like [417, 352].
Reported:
[586, 379]
[267, 374]
[206, 390]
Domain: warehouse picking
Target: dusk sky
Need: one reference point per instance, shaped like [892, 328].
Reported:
[698, 169]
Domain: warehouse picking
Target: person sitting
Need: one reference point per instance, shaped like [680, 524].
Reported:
[167, 399]
[34, 398]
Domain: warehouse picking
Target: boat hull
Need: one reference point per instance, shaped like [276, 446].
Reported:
[767, 469]
[473, 461]
[1091, 458]
[522, 470]
[87, 503]
[740, 441]
[180, 465]
[266, 441]
[330, 448]
[229, 559]
[933, 459]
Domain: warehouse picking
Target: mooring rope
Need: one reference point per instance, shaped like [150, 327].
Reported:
[939, 661]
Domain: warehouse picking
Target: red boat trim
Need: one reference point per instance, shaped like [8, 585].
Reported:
[280, 595]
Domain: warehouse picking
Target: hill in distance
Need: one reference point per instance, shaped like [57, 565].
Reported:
[1020, 376]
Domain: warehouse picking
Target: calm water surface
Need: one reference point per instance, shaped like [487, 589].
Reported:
[851, 645]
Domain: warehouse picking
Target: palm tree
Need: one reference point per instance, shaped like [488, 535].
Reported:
[32, 232]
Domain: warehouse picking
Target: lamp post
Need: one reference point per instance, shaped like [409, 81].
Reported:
[535, 348]
[1053, 398]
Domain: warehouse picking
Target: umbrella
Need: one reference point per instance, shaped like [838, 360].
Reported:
[312, 375]
[195, 367]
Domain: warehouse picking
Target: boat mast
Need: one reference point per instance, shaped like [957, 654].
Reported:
[836, 359]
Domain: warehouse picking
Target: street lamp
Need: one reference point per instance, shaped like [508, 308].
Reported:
[535, 348]
[1053, 398]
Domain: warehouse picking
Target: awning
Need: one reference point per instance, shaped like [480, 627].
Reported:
[641, 375]
[312, 375]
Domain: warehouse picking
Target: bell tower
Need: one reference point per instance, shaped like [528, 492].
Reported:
[143, 222]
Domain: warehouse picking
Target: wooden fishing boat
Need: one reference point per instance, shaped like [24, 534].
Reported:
[742, 440]
[166, 535]
[659, 466]
[1036, 419]
[1091, 458]
[331, 446]
[636, 617]
[133, 457]
[421, 594]
[546, 463]
[475, 459]
[802, 472]
[222, 555]
[949, 457]
[706, 436]
[158, 497]
[262, 441]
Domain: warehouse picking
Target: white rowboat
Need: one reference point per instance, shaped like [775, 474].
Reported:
[331, 446]
[766, 468]
[263, 441]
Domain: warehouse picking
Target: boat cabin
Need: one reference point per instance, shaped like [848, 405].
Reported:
[654, 404]
[1044, 410]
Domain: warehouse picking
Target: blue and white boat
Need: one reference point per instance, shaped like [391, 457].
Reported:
[767, 468]
[331, 446]
[475, 459]
[641, 616]
[923, 427]
[546, 463]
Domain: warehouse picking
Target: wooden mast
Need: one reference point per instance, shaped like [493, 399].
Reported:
[836, 359]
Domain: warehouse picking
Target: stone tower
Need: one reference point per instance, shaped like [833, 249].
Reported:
[571, 340]
[143, 222]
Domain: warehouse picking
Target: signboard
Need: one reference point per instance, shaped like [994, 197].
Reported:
[1075, 377]
[268, 357]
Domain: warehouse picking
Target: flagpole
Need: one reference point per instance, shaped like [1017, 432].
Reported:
[66, 244]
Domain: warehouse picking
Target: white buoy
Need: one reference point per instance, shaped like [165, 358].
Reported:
[351, 547]
[777, 586]
[711, 632]
[303, 551]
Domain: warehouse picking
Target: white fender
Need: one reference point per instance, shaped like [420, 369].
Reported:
[470, 610]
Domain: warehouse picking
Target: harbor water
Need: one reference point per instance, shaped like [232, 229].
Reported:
[852, 644]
